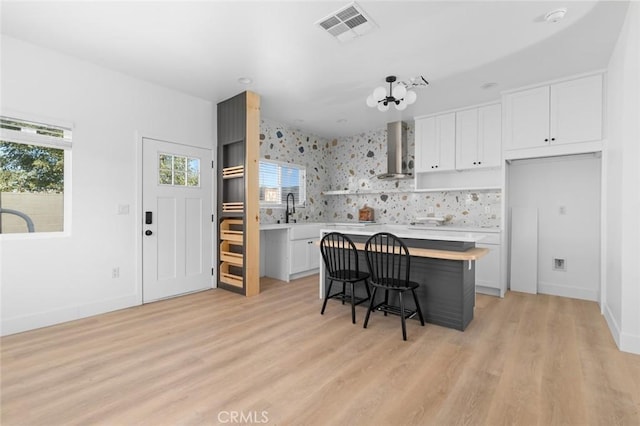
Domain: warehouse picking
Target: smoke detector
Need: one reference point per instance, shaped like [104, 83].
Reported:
[555, 15]
[347, 23]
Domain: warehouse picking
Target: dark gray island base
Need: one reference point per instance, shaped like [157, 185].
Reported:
[447, 287]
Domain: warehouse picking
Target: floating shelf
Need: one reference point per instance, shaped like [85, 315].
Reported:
[234, 207]
[233, 172]
[410, 191]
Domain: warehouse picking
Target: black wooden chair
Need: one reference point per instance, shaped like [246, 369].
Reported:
[389, 265]
[341, 262]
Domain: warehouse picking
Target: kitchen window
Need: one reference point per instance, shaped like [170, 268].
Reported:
[278, 179]
[34, 167]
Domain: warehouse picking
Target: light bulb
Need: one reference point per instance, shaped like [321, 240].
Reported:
[399, 91]
[379, 93]
[401, 106]
[371, 102]
[410, 97]
[382, 107]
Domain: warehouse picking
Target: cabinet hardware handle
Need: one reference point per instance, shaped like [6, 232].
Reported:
[546, 140]
[474, 162]
[479, 162]
[553, 139]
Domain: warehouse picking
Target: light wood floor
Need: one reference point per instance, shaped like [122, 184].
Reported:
[523, 360]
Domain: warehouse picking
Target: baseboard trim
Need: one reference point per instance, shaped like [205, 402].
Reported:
[613, 325]
[630, 343]
[489, 291]
[58, 316]
[568, 291]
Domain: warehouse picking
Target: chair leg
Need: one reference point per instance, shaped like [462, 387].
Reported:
[344, 293]
[415, 298]
[404, 327]
[353, 304]
[386, 300]
[326, 297]
[373, 297]
[366, 286]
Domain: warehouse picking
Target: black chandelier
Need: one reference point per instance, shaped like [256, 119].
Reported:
[398, 95]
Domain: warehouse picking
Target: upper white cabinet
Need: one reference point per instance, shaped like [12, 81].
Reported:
[478, 137]
[561, 113]
[435, 143]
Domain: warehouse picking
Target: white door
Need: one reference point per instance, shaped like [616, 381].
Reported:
[490, 135]
[446, 130]
[528, 118]
[467, 139]
[176, 217]
[576, 110]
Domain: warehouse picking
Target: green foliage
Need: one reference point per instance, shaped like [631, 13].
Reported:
[30, 168]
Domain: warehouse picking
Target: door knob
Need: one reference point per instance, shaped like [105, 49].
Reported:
[148, 232]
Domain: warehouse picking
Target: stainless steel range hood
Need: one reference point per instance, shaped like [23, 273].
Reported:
[397, 156]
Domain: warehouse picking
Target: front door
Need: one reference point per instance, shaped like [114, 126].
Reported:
[176, 217]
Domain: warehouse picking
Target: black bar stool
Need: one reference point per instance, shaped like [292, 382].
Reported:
[389, 265]
[341, 262]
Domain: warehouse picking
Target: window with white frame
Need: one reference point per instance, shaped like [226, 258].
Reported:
[176, 170]
[34, 158]
[278, 179]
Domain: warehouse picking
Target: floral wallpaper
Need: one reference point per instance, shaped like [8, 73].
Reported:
[352, 163]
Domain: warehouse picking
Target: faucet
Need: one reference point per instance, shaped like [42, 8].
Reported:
[288, 213]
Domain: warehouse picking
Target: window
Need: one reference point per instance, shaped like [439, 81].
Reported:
[279, 179]
[178, 171]
[34, 159]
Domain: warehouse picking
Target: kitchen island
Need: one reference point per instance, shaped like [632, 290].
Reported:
[443, 264]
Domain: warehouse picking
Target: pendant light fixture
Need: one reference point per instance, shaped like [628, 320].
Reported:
[398, 95]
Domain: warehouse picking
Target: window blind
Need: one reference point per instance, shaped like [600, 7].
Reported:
[279, 179]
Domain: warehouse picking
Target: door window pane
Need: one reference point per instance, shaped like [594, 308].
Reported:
[178, 170]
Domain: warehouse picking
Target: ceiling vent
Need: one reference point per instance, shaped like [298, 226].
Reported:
[347, 23]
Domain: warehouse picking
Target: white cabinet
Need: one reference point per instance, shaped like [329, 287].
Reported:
[289, 251]
[435, 143]
[304, 251]
[304, 255]
[478, 137]
[560, 113]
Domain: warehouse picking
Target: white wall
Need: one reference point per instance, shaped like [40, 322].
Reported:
[570, 183]
[622, 187]
[50, 280]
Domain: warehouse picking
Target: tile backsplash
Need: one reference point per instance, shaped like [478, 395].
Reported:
[281, 143]
[352, 163]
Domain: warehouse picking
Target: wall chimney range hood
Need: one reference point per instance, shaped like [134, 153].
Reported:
[397, 156]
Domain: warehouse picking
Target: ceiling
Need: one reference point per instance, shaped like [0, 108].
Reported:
[306, 78]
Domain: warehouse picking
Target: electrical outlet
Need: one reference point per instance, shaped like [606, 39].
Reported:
[562, 210]
[559, 264]
[430, 209]
[115, 272]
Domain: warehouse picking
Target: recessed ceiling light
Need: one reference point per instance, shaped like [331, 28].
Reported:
[298, 120]
[488, 85]
[245, 80]
[341, 121]
[555, 15]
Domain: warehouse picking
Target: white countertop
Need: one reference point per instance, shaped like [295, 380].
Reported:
[423, 232]
[405, 231]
